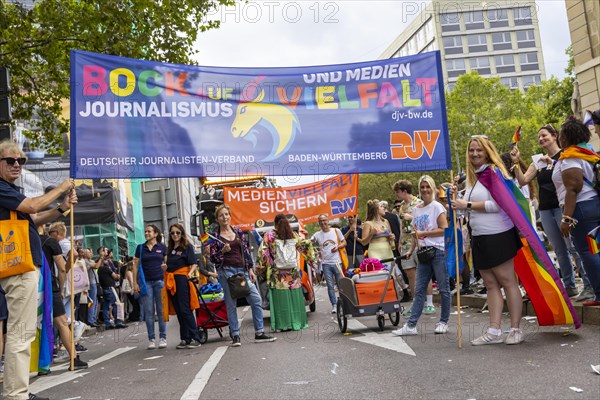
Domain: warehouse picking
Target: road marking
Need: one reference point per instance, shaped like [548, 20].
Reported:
[44, 384]
[153, 357]
[386, 340]
[195, 388]
[146, 369]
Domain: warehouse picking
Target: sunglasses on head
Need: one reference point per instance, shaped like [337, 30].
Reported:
[12, 160]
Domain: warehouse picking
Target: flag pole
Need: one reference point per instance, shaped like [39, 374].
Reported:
[459, 329]
[72, 283]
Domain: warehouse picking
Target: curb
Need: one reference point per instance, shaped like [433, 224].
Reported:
[587, 315]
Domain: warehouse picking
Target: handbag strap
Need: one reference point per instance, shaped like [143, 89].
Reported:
[13, 215]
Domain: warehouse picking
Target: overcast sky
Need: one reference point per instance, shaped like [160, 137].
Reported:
[309, 32]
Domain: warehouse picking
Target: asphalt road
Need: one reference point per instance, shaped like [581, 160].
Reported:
[322, 363]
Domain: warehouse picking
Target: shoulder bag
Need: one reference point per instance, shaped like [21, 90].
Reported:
[15, 251]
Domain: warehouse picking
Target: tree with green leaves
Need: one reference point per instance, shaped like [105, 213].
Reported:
[35, 44]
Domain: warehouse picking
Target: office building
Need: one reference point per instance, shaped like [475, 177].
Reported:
[495, 38]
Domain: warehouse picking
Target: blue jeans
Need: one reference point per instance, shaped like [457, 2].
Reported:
[587, 213]
[153, 298]
[253, 299]
[424, 274]
[562, 247]
[108, 302]
[330, 271]
[93, 294]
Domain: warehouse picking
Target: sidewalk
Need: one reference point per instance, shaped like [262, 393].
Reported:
[587, 315]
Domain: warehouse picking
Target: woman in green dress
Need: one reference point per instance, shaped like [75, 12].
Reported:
[278, 262]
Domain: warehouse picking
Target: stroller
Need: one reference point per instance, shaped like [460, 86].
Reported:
[212, 313]
[368, 293]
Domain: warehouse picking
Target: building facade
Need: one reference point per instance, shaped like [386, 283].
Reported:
[495, 38]
[584, 26]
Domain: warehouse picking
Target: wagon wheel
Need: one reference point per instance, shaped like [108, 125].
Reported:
[394, 318]
[381, 321]
[203, 333]
[341, 316]
[313, 306]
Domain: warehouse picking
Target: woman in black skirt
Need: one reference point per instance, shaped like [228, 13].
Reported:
[494, 243]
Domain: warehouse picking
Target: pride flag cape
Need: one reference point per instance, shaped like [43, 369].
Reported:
[42, 346]
[579, 151]
[532, 263]
[449, 247]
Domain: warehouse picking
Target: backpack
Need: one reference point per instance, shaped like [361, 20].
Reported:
[286, 255]
[596, 177]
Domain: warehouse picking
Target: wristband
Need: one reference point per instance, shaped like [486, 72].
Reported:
[63, 212]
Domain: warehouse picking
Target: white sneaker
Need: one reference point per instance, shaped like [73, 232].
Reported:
[151, 345]
[441, 327]
[405, 331]
[334, 310]
[515, 336]
[79, 327]
[162, 343]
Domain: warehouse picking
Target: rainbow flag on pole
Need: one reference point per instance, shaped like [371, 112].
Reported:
[593, 239]
[206, 239]
[516, 138]
[43, 345]
[532, 263]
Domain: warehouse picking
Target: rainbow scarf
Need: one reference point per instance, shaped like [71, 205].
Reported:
[43, 345]
[532, 263]
[579, 151]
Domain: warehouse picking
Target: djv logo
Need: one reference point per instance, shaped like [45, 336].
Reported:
[341, 207]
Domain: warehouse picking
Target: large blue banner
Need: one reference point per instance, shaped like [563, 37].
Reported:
[143, 119]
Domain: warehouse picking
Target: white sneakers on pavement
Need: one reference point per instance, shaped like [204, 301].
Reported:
[441, 327]
[151, 345]
[406, 331]
[162, 343]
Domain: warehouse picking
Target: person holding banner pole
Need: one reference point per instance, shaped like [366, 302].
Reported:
[353, 234]
[21, 290]
[492, 229]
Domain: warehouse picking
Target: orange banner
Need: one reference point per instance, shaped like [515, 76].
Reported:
[336, 197]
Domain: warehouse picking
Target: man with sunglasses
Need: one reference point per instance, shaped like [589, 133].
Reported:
[21, 290]
[330, 240]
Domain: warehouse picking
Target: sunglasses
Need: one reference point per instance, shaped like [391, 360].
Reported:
[479, 136]
[175, 233]
[12, 160]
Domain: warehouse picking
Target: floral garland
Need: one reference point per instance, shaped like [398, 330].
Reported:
[282, 279]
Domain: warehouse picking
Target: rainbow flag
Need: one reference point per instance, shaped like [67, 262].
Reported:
[206, 239]
[43, 345]
[579, 151]
[532, 263]
[593, 239]
[516, 138]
